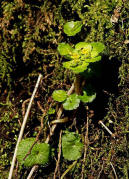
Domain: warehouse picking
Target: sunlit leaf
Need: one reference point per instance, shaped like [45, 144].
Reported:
[72, 28]
[72, 102]
[39, 155]
[71, 146]
[64, 49]
[95, 59]
[80, 68]
[88, 95]
[82, 45]
[98, 47]
[59, 95]
[76, 67]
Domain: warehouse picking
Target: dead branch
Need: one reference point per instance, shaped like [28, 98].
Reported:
[59, 154]
[108, 130]
[24, 106]
[114, 170]
[23, 126]
[86, 142]
[32, 171]
[99, 175]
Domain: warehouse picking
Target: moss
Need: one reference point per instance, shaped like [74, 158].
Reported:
[9, 129]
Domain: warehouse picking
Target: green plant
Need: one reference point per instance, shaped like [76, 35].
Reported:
[72, 28]
[30, 153]
[71, 146]
[40, 153]
[80, 60]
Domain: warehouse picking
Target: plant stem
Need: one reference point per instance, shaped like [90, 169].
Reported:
[78, 84]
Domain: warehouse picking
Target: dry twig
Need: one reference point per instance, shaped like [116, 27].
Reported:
[108, 130]
[59, 154]
[23, 126]
[99, 175]
[114, 170]
[86, 142]
[24, 106]
[32, 171]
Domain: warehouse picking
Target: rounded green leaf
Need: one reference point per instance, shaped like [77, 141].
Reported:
[59, 95]
[88, 95]
[92, 60]
[82, 45]
[40, 153]
[71, 146]
[98, 47]
[72, 102]
[72, 28]
[64, 49]
[76, 67]
[80, 68]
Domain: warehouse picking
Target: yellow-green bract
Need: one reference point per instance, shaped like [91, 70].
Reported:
[80, 57]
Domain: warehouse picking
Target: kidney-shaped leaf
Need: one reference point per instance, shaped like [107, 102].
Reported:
[59, 95]
[95, 59]
[72, 102]
[40, 153]
[82, 45]
[98, 47]
[71, 146]
[72, 28]
[64, 49]
[88, 95]
[76, 67]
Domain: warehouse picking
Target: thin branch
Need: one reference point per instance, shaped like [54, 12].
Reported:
[59, 154]
[86, 142]
[69, 168]
[99, 175]
[32, 171]
[114, 170]
[108, 130]
[23, 126]
[24, 106]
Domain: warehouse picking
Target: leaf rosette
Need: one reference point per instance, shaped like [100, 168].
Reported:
[80, 57]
